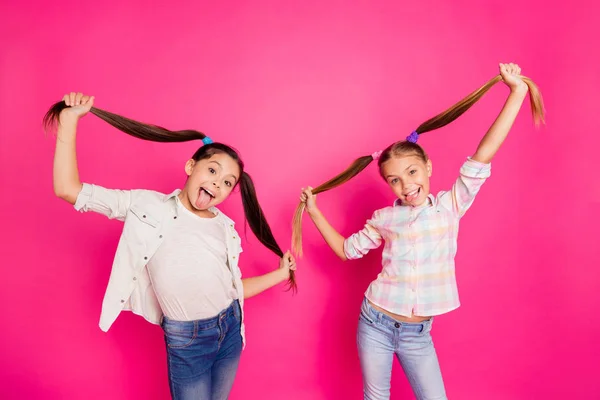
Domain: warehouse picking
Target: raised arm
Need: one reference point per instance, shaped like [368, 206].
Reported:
[65, 173]
[495, 136]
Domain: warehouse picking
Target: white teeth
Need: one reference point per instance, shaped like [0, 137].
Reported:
[209, 192]
[413, 193]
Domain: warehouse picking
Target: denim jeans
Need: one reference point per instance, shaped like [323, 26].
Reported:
[379, 337]
[203, 355]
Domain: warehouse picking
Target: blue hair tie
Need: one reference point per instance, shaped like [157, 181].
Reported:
[413, 137]
[207, 140]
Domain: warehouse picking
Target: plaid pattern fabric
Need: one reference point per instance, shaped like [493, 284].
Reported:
[418, 276]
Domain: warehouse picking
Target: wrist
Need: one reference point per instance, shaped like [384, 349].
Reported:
[520, 90]
[283, 274]
[313, 212]
[68, 118]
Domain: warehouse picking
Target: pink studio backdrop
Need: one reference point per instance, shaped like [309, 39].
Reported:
[301, 90]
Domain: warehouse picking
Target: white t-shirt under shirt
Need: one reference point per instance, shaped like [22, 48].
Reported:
[189, 271]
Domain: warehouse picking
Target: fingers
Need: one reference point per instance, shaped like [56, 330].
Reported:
[503, 69]
[510, 69]
[306, 194]
[290, 260]
[89, 101]
[75, 99]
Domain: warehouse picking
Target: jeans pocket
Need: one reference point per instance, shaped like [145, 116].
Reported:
[427, 327]
[365, 317]
[237, 311]
[179, 337]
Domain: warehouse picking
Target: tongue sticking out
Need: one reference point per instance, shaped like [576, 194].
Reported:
[203, 200]
[413, 197]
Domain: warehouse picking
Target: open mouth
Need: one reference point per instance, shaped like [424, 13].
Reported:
[413, 195]
[212, 196]
[205, 196]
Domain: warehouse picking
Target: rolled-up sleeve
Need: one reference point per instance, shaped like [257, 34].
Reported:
[473, 175]
[363, 241]
[111, 203]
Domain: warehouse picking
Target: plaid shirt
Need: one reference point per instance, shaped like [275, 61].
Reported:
[418, 275]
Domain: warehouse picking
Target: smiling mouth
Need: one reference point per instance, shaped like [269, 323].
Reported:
[411, 196]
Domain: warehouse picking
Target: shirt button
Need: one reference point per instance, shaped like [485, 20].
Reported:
[143, 216]
[122, 301]
[145, 258]
[233, 257]
[160, 236]
[134, 278]
[234, 237]
[175, 217]
[413, 290]
[397, 325]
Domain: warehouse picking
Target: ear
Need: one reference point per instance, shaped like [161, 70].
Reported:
[189, 166]
[429, 168]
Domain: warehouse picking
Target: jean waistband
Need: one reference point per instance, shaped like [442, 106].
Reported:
[385, 320]
[228, 312]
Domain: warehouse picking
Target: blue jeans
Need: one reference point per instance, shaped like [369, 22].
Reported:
[379, 337]
[203, 355]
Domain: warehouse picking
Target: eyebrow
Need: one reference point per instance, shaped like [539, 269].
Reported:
[390, 176]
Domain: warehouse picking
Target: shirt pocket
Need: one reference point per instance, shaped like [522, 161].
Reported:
[441, 230]
[140, 226]
[143, 216]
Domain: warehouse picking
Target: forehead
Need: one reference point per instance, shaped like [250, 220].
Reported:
[397, 164]
[228, 164]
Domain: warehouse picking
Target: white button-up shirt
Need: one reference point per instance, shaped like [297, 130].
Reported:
[147, 215]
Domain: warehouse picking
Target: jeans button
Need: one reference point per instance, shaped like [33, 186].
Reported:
[397, 325]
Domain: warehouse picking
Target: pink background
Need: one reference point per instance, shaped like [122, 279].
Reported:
[301, 90]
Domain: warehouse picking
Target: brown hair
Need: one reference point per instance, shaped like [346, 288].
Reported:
[440, 120]
[252, 210]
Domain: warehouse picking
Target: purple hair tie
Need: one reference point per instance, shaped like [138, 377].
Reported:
[413, 137]
[376, 155]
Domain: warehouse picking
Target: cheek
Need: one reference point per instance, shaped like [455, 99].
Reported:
[397, 190]
[226, 191]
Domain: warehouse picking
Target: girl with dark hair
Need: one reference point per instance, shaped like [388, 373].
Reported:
[177, 259]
